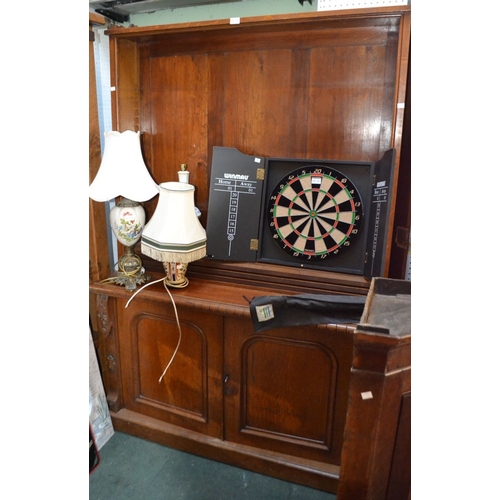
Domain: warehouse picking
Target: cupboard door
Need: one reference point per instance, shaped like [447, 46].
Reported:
[286, 389]
[190, 394]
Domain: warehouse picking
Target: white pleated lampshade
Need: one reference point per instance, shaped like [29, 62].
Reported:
[123, 171]
[174, 233]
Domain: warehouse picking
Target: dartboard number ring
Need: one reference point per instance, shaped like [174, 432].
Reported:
[314, 212]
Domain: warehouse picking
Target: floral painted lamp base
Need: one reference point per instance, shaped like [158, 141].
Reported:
[127, 220]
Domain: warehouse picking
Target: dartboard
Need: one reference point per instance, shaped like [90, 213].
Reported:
[314, 212]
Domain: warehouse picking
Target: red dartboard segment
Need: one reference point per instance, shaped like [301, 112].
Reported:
[314, 212]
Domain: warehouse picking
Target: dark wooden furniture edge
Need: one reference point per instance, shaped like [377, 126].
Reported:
[272, 278]
[217, 295]
[135, 32]
[307, 472]
[96, 19]
[379, 392]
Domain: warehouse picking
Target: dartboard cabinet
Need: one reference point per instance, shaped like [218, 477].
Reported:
[310, 213]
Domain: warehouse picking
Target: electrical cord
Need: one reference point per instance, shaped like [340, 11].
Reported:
[165, 283]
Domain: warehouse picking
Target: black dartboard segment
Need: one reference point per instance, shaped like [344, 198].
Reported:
[314, 212]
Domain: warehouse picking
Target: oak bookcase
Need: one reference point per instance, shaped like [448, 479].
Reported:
[283, 402]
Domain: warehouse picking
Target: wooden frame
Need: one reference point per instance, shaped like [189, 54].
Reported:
[99, 266]
[340, 95]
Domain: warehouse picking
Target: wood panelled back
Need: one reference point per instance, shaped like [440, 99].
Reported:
[347, 110]
[320, 88]
[296, 94]
[257, 92]
[174, 118]
[125, 84]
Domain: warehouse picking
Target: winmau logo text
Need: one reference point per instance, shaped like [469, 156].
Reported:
[236, 176]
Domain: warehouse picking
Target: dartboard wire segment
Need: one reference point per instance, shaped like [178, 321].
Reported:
[314, 212]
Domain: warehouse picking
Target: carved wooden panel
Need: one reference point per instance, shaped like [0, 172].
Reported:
[107, 347]
[278, 406]
[156, 339]
[286, 390]
[189, 394]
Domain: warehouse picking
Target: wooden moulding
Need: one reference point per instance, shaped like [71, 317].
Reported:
[149, 33]
[96, 19]
[276, 278]
[106, 341]
[306, 472]
[225, 298]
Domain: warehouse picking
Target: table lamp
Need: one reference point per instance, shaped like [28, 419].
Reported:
[174, 235]
[124, 173]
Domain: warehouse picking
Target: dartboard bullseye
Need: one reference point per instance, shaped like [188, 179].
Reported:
[314, 212]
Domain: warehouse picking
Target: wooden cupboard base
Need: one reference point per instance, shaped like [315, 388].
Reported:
[306, 472]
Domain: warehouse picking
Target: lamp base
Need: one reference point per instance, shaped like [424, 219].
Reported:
[127, 219]
[130, 271]
[130, 282]
[175, 274]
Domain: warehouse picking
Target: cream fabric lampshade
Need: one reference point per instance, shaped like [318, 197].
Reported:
[174, 233]
[123, 171]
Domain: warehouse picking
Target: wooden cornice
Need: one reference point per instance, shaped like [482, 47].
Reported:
[135, 32]
[95, 18]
